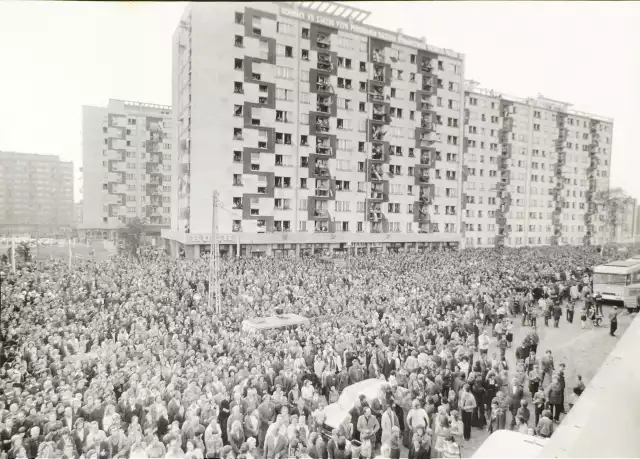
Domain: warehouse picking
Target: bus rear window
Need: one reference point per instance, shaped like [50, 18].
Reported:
[611, 279]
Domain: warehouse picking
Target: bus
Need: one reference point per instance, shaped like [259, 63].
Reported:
[618, 281]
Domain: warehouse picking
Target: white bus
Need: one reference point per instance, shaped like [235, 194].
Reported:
[618, 281]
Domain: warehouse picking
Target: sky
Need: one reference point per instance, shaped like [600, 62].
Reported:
[58, 56]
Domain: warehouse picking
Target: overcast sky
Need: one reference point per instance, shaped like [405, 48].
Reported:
[56, 57]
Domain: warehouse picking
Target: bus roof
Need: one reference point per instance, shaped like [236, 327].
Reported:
[628, 266]
[507, 443]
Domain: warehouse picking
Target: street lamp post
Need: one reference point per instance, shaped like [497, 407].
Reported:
[214, 257]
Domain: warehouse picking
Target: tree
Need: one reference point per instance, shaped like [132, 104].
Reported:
[613, 202]
[23, 251]
[134, 235]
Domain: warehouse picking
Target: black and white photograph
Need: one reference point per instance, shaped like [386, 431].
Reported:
[319, 229]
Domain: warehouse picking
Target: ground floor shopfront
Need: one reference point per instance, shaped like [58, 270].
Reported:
[299, 244]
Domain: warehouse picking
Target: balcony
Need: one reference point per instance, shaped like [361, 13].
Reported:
[424, 179]
[323, 192]
[507, 124]
[324, 87]
[426, 124]
[504, 138]
[424, 228]
[322, 125]
[323, 42]
[428, 139]
[377, 133]
[425, 106]
[323, 150]
[426, 67]
[560, 144]
[376, 95]
[378, 75]
[320, 213]
[321, 170]
[378, 57]
[322, 108]
[375, 216]
[376, 173]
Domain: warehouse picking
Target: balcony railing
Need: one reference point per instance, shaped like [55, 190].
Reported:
[322, 213]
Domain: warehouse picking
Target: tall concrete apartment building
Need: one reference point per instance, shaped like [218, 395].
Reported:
[127, 161]
[319, 132]
[36, 193]
[322, 133]
[534, 169]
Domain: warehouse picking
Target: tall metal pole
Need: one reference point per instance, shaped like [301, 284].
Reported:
[13, 253]
[214, 258]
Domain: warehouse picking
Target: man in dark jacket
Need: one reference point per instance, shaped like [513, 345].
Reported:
[554, 397]
[557, 313]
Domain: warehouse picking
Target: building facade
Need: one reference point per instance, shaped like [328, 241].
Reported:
[36, 193]
[318, 132]
[534, 170]
[322, 133]
[127, 167]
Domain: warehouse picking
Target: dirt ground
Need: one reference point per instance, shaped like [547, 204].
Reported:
[583, 351]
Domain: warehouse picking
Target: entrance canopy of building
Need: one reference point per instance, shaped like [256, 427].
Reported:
[268, 323]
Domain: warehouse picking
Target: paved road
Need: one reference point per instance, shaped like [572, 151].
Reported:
[583, 351]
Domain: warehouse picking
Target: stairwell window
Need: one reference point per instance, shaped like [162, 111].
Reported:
[284, 72]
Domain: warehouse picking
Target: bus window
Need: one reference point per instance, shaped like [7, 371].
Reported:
[612, 279]
[635, 278]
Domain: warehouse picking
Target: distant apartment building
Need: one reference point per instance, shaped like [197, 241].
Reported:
[77, 208]
[624, 228]
[319, 132]
[36, 193]
[534, 169]
[127, 167]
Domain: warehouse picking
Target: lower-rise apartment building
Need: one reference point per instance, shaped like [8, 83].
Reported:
[127, 167]
[535, 169]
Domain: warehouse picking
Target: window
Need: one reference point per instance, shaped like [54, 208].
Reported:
[284, 94]
[237, 87]
[239, 18]
[304, 75]
[283, 116]
[284, 72]
[238, 64]
[239, 41]
[304, 118]
[286, 29]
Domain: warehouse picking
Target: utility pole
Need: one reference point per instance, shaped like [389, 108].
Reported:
[214, 256]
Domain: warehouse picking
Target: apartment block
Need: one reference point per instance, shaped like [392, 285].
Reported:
[36, 193]
[319, 133]
[534, 168]
[127, 167]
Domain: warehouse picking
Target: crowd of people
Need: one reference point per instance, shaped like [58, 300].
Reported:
[126, 358]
